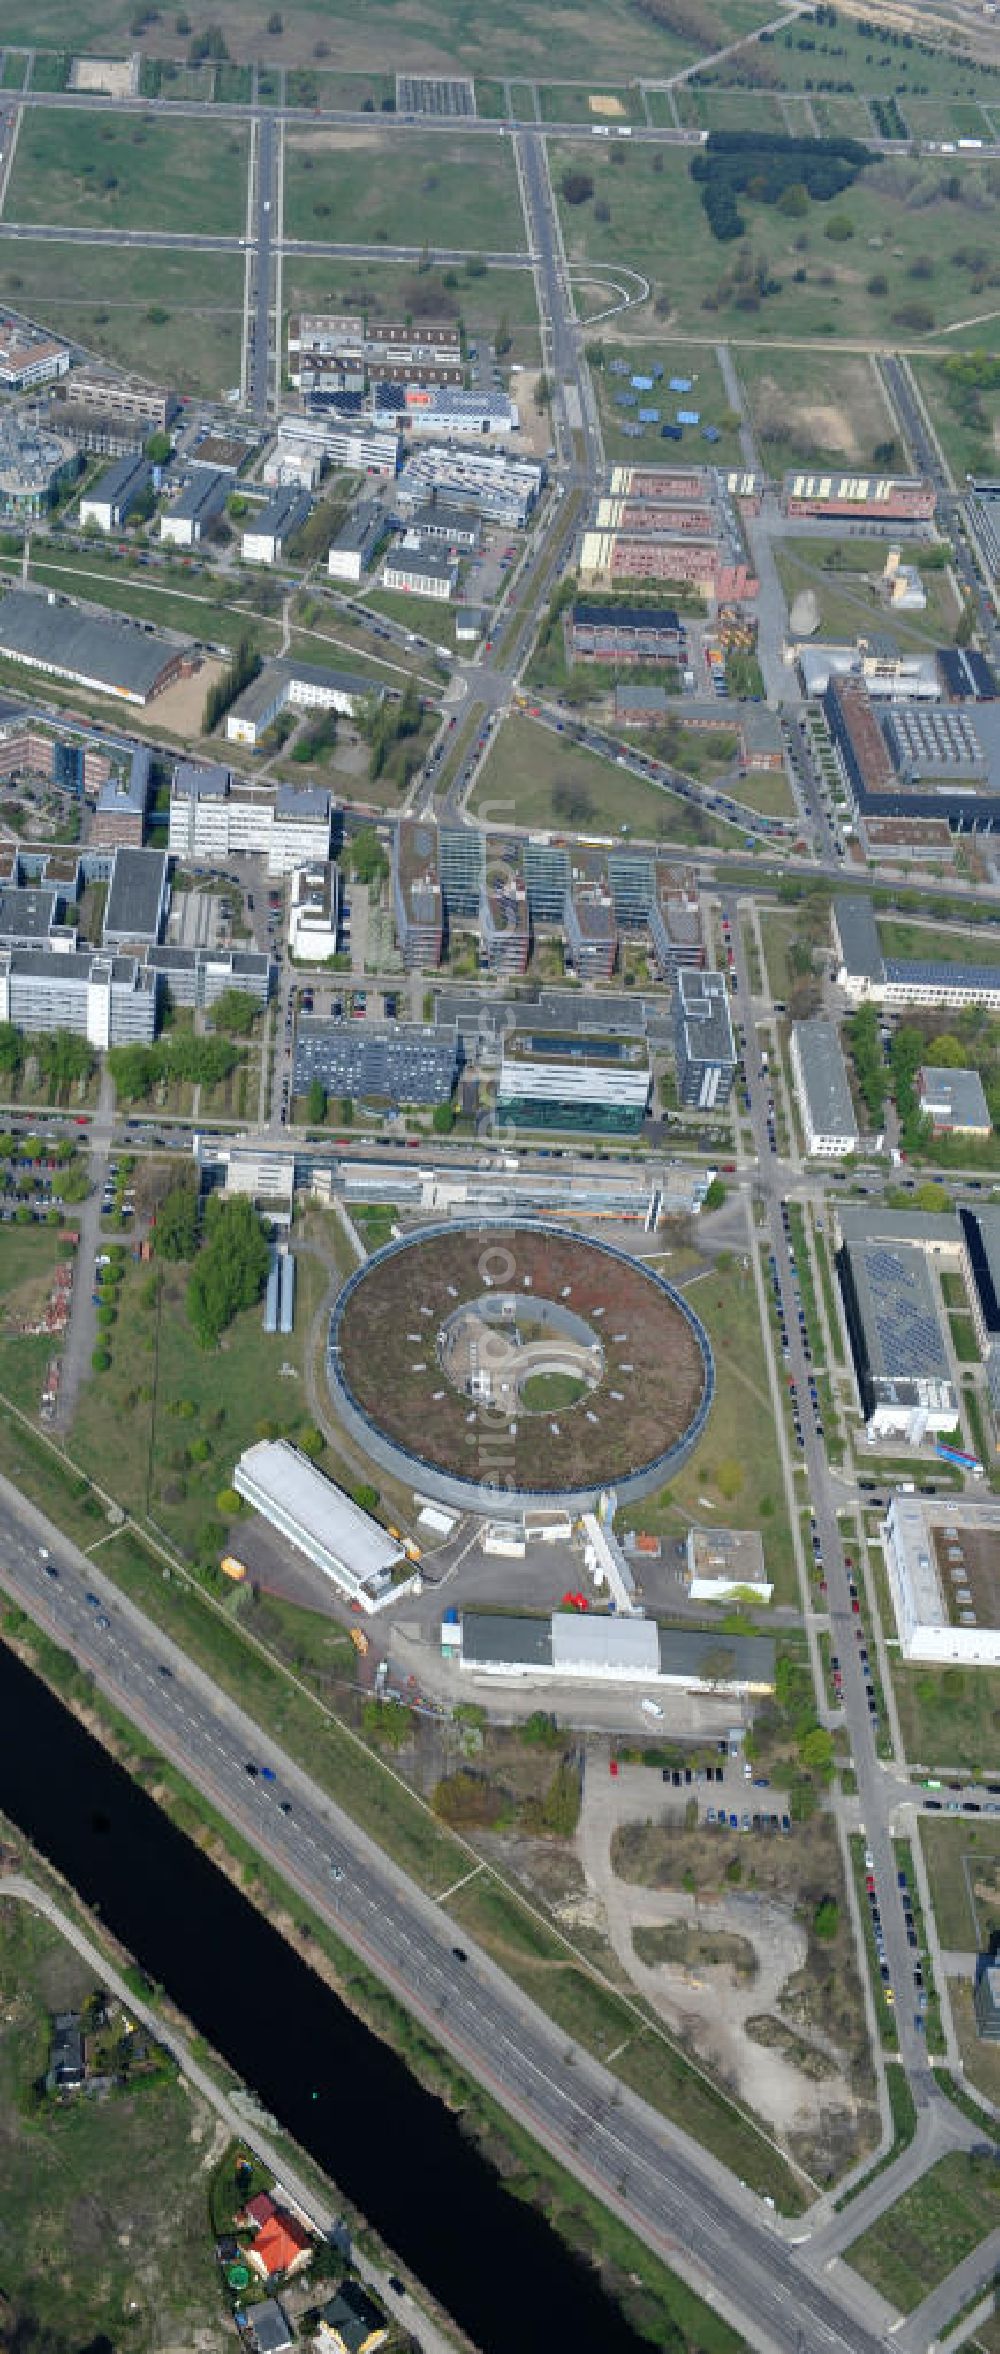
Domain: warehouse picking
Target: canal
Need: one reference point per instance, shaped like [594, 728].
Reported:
[396, 2152]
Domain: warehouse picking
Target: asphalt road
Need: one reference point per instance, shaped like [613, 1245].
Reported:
[698, 2218]
[817, 1492]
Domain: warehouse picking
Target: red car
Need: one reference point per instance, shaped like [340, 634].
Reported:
[613, 1767]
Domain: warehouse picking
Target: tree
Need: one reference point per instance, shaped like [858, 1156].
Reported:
[826, 1918]
[577, 187]
[100, 1360]
[244, 667]
[158, 448]
[11, 1049]
[312, 1442]
[715, 1194]
[231, 1267]
[366, 1497]
[388, 1721]
[176, 1231]
[316, 1103]
[443, 1119]
[816, 1751]
[366, 858]
[235, 1013]
[229, 1502]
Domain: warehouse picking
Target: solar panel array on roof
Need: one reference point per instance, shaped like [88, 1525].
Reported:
[649, 416]
[642, 383]
[909, 1335]
[689, 416]
[680, 383]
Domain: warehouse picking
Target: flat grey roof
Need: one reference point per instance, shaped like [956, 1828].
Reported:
[858, 935]
[501, 1638]
[27, 913]
[265, 690]
[128, 791]
[697, 1654]
[136, 896]
[285, 510]
[824, 1077]
[78, 964]
[112, 652]
[360, 525]
[162, 959]
[961, 1091]
[704, 1010]
[871, 1222]
[302, 801]
[423, 564]
[898, 1310]
[202, 782]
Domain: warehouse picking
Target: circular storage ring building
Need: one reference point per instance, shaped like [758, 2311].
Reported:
[477, 1361]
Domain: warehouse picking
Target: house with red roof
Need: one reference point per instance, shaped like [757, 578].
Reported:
[281, 2244]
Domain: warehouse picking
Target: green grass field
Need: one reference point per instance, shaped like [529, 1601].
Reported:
[916, 2243]
[947, 1716]
[533, 778]
[817, 408]
[845, 573]
[736, 1464]
[372, 187]
[570, 102]
[899, 937]
[85, 2183]
[441, 36]
[100, 171]
[969, 433]
[175, 317]
[850, 56]
[895, 281]
[963, 1867]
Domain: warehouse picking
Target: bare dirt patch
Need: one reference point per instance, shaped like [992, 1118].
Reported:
[114, 77]
[716, 1932]
[181, 710]
[611, 107]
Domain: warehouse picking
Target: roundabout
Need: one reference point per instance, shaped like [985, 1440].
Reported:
[480, 1361]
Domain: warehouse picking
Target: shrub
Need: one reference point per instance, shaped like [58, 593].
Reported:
[577, 187]
[101, 1360]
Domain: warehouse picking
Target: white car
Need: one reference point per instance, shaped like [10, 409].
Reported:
[651, 1708]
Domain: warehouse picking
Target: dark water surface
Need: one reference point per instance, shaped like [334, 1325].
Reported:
[394, 2150]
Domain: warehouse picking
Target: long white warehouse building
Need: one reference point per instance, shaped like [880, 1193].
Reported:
[319, 1520]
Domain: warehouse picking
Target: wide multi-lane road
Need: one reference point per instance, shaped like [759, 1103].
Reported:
[696, 2216]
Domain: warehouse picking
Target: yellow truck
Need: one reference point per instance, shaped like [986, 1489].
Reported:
[360, 1641]
[231, 1568]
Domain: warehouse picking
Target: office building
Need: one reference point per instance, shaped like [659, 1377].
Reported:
[214, 819]
[120, 814]
[29, 355]
[290, 685]
[109, 1000]
[316, 1517]
[101, 653]
[420, 572]
[942, 1557]
[980, 1231]
[625, 634]
[864, 973]
[198, 976]
[409, 1062]
[110, 502]
[266, 535]
[307, 445]
[954, 1101]
[504, 921]
[446, 412]
[499, 489]
[190, 516]
[138, 897]
[314, 913]
[150, 406]
[880, 498]
[899, 1350]
[30, 916]
[703, 1036]
[453, 528]
[326, 352]
[358, 543]
[567, 1080]
[917, 759]
[418, 898]
[590, 928]
[986, 1993]
[823, 1090]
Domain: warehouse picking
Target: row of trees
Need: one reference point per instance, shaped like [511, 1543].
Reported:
[136, 1070]
[63, 1058]
[386, 724]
